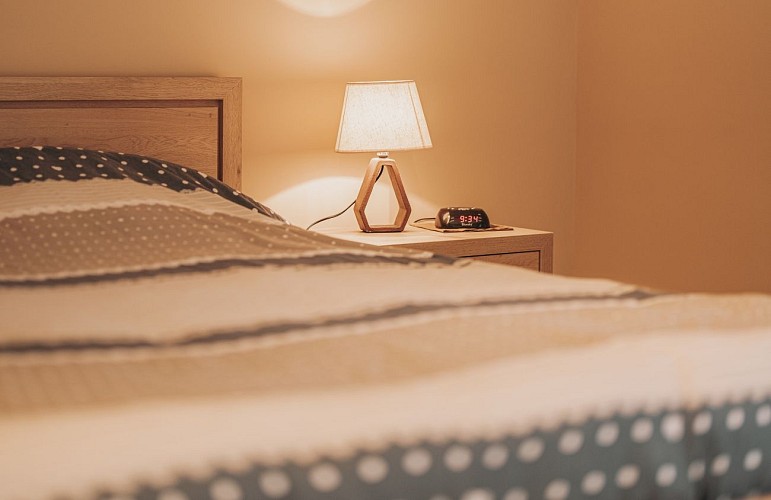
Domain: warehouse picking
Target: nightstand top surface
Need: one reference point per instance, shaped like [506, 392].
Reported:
[413, 235]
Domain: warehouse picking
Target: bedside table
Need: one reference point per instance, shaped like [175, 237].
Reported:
[520, 247]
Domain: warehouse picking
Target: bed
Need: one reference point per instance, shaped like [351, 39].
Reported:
[164, 336]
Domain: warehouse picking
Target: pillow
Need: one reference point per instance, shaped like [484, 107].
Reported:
[48, 163]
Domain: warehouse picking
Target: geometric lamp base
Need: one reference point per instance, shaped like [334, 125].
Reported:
[366, 190]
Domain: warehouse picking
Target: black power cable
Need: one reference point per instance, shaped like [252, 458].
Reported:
[346, 208]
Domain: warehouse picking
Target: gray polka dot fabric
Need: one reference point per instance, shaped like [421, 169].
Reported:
[49, 163]
[713, 452]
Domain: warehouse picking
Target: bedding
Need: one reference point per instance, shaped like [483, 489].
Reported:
[164, 337]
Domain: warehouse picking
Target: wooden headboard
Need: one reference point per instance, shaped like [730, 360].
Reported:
[193, 121]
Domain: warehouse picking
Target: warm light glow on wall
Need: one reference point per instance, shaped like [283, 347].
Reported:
[305, 203]
[324, 8]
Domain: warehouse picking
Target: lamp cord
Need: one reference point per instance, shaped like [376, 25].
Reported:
[346, 208]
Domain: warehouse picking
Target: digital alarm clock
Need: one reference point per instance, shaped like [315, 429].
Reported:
[462, 218]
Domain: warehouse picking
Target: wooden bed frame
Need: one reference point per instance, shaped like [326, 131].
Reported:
[193, 121]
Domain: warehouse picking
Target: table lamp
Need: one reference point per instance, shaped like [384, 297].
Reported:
[382, 117]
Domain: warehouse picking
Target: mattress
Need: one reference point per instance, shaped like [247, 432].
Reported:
[164, 336]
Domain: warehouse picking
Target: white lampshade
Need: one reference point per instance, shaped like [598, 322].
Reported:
[382, 116]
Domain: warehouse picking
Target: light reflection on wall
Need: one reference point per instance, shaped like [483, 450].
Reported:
[305, 203]
[324, 8]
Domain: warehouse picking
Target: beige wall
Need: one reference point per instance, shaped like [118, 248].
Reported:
[674, 143]
[646, 132]
[496, 77]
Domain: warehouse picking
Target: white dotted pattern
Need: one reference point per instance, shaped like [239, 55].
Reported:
[607, 434]
[129, 237]
[275, 483]
[416, 461]
[763, 416]
[720, 465]
[458, 458]
[702, 423]
[666, 475]
[735, 419]
[696, 470]
[558, 489]
[673, 427]
[753, 459]
[324, 477]
[495, 456]
[593, 483]
[226, 489]
[642, 430]
[530, 450]
[478, 494]
[627, 476]
[372, 469]
[570, 442]
[515, 494]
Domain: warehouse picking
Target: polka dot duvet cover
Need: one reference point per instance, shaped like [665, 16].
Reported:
[166, 337]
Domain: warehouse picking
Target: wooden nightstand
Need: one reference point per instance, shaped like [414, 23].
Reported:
[520, 247]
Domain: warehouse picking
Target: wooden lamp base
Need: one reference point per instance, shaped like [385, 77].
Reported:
[366, 191]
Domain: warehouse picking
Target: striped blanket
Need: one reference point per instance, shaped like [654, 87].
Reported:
[165, 337]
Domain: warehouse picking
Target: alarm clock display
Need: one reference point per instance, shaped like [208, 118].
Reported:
[462, 218]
